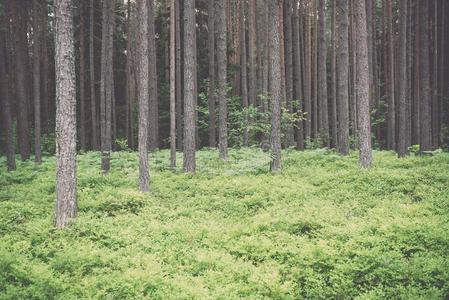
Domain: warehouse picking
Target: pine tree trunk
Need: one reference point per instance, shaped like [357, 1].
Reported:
[93, 98]
[425, 94]
[172, 85]
[322, 74]
[179, 131]
[154, 106]
[391, 121]
[289, 67]
[363, 86]
[252, 53]
[334, 124]
[342, 75]
[275, 79]
[221, 87]
[82, 71]
[402, 56]
[298, 75]
[143, 91]
[37, 36]
[66, 206]
[5, 104]
[19, 16]
[308, 75]
[189, 86]
[243, 69]
[212, 90]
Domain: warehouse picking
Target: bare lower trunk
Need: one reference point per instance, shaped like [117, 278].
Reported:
[93, 98]
[154, 106]
[37, 36]
[212, 90]
[172, 85]
[221, 88]
[65, 208]
[322, 75]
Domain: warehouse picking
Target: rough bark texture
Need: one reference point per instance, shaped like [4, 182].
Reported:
[308, 75]
[275, 79]
[82, 78]
[178, 78]
[342, 76]
[243, 69]
[402, 73]
[389, 80]
[37, 36]
[154, 106]
[189, 86]
[252, 53]
[172, 85]
[93, 98]
[322, 74]
[5, 105]
[65, 208]
[297, 53]
[131, 89]
[334, 122]
[212, 90]
[289, 67]
[425, 96]
[363, 87]
[143, 92]
[221, 88]
[19, 16]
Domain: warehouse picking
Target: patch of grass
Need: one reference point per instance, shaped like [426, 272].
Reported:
[321, 229]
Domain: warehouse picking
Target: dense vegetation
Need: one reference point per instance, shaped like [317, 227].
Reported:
[322, 229]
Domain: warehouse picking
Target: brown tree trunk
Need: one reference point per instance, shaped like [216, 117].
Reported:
[297, 53]
[275, 79]
[243, 69]
[389, 80]
[154, 106]
[342, 75]
[19, 17]
[212, 89]
[93, 98]
[322, 74]
[172, 85]
[334, 124]
[416, 81]
[252, 53]
[144, 18]
[221, 88]
[289, 68]
[37, 36]
[402, 56]
[363, 88]
[189, 86]
[82, 72]
[66, 207]
[130, 75]
[179, 130]
[308, 74]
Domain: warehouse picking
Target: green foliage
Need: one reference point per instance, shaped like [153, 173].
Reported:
[321, 229]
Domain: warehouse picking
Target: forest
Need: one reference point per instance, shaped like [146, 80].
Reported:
[224, 149]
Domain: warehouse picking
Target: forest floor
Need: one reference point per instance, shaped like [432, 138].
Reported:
[322, 229]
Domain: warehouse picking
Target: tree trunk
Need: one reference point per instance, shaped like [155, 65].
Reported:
[298, 75]
[252, 53]
[154, 106]
[289, 67]
[6, 105]
[37, 36]
[212, 90]
[93, 98]
[402, 56]
[66, 206]
[19, 16]
[342, 76]
[334, 124]
[130, 75]
[363, 87]
[243, 69]
[425, 101]
[172, 85]
[275, 79]
[189, 86]
[179, 130]
[82, 71]
[389, 80]
[221, 88]
[322, 74]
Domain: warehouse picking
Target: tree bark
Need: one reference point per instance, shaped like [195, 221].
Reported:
[243, 69]
[82, 71]
[275, 79]
[402, 56]
[389, 80]
[289, 67]
[333, 59]
[66, 206]
[179, 131]
[154, 106]
[37, 36]
[93, 98]
[143, 91]
[342, 76]
[172, 85]
[221, 88]
[322, 74]
[363, 86]
[189, 86]
[298, 75]
[212, 89]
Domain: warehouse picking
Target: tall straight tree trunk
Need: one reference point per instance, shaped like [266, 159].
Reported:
[172, 85]
[130, 75]
[19, 17]
[334, 124]
[402, 56]
[106, 85]
[5, 104]
[342, 75]
[189, 86]
[179, 131]
[416, 82]
[154, 106]
[221, 88]
[425, 95]
[243, 69]
[275, 79]
[363, 86]
[252, 53]
[211, 93]
[298, 74]
[66, 207]
[143, 91]
[82, 72]
[45, 98]
[93, 98]
[289, 67]
[308, 74]
[37, 36]
[322, 74]
[315, 113]
[391, 121]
